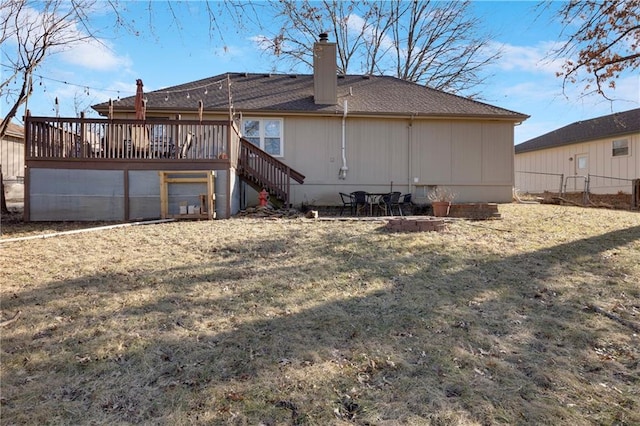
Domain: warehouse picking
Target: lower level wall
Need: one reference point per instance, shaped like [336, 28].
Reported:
[105, 195]
[67, 195]
[329, 195]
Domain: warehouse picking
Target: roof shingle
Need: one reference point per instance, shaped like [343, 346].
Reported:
[597, 128]
[279, 93]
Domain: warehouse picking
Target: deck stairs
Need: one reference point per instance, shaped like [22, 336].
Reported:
[261, 171]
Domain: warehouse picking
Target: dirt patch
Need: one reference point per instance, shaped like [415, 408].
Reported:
[610, 201]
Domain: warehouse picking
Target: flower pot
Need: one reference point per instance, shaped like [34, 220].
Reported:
[441, 208]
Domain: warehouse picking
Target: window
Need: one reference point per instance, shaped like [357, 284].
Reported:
[265, 133]
[620, 147]
[581, 162]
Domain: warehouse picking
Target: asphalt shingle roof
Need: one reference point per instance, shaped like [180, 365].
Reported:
[597, 128]
[279, 93]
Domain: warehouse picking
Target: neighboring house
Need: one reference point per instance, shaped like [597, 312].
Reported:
[12, 153]
[604, 150]
[12, 161]
[336, 133]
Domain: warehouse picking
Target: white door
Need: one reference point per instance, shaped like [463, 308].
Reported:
[582, 169]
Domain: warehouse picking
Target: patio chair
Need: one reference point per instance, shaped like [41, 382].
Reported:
[405, 203]
[347, 201]
[388, 202]
[360, 202]
[140, 142]
[186, 146]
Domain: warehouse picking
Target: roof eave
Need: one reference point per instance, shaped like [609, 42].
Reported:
[574, 142]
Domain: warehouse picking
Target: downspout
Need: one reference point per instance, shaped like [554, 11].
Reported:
[344, 169]
[409, 154]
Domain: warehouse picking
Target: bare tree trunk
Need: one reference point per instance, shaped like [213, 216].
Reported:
[3, 200]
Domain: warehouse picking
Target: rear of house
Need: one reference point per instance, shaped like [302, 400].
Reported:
[602, 153]
[331, 133]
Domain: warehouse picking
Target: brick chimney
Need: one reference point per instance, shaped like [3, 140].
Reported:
[325, 79]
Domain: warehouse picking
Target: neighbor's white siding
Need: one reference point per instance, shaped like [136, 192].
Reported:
[563, 161]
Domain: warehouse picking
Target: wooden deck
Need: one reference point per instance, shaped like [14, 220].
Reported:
[58, 146]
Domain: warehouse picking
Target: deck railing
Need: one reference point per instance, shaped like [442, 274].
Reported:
[84, 138]
[265, 171]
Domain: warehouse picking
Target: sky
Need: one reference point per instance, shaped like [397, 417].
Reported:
[164, 54]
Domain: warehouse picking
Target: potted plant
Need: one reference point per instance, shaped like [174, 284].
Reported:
[441, 198]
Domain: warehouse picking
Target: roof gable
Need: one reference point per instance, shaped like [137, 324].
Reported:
[285, 93]
[581, 131]
[15, 130]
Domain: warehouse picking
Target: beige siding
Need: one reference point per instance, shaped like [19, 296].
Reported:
[466, 155]
[431, 150]
[475, 158]
[497, 153]
[12, 159]
[377, 151]
[313, 148]
[563, 160]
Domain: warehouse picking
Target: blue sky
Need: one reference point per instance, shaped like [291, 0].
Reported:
[166, 55]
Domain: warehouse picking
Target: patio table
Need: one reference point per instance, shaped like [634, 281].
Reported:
[374, 198]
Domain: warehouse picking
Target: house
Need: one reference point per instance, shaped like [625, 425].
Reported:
[324, 133]
[602, 153]
[12, 161]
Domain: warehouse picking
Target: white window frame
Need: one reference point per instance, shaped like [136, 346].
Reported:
[627, 146]
[262, 132]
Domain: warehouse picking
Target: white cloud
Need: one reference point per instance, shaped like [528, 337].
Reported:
[358, 25]
[95, 55]
[72, 44]
[533, 59]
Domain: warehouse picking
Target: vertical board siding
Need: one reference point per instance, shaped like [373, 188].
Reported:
[497, 153]
[476, 157]
[466, 158]
[562, 160]
[310, 146]
[12, 155]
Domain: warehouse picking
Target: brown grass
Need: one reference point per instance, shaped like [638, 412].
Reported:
[279, 322]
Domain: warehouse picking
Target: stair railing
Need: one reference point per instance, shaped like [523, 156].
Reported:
[265, 171]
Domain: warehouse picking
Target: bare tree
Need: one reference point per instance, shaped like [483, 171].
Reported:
[34, 30]
[441, 46]
[3, 201]
[434, 43]
[37, 29]
[605, 42]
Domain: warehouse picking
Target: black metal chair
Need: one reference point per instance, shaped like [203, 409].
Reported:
[390, 201]
[405, 202]
[347, 202]
[360, 202]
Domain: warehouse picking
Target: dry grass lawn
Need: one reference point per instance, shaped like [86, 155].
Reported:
[532, 319]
